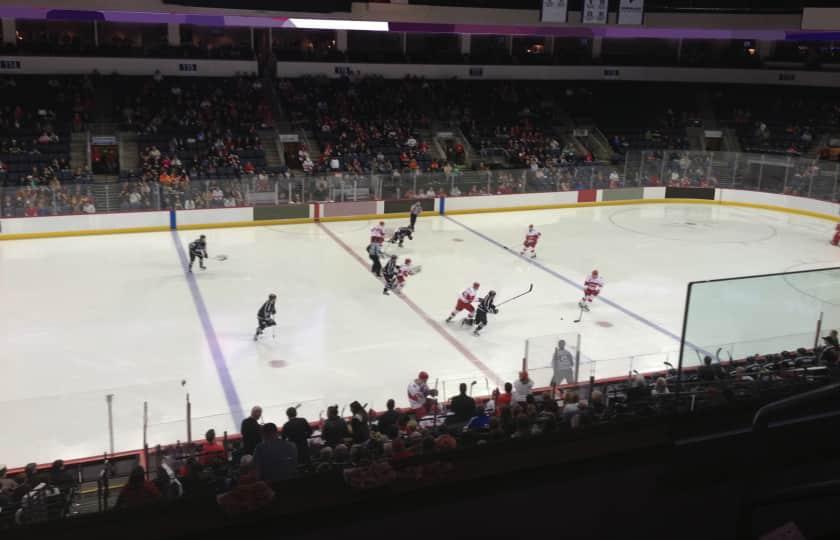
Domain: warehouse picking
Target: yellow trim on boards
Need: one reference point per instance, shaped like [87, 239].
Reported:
[96, 232]
[232, 224]
[368, 217]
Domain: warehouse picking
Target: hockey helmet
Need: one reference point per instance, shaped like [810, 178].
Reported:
[594, 272]
[491, 293]
[272, 296]
[476, 285]
[202, 237]
[423, 376]
[394, 257]
[407, 261]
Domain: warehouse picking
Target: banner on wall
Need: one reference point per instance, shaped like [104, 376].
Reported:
[554, 11]
[631, 12]
[595, 11]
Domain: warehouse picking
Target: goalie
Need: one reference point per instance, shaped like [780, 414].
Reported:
[400, 235]
[485, 306]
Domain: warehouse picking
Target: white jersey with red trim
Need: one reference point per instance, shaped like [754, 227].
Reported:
[468, 296]
[532, 236]
[417, 394]
[377, 231]
[594, 283]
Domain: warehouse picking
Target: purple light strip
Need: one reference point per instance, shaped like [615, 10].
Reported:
[611, 31]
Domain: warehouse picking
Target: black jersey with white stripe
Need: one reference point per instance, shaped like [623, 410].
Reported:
[390, 268]
[267, 310]
[486, 304]
[198, 246]
[402, 232]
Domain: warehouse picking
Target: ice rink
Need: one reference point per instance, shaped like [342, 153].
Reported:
[86, 317]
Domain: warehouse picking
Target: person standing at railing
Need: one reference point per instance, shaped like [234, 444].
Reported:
[297, 431]
[251, 431]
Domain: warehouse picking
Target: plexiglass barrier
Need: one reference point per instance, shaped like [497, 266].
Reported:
[769, 173]
[759, 314]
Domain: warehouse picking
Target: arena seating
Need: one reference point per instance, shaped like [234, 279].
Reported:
[376, 449]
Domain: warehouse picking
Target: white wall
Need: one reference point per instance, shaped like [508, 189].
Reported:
[572, 73]
[45, 65]
[213, 215]
[652, 192]
[785, 201]
[91, 222]
[509, 201]
[131, 220]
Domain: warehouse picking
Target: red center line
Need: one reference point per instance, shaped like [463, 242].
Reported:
[473, 359]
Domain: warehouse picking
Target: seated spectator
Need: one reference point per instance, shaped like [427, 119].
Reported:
[60, 478]
[7, 487]
[523, 427]
[212, 452]
[387, 421]
[399, 452]
[249, 494]
[571, 409]
[660, 388]
[31, 479]
[638, 388]
[462, 405]
[504, 400]
[275, 459]
[325, 460]
[741, 375]
[480, 421]
[138, 491]
[522, 387]
[708, 372]
[335, 429]
[359, 423]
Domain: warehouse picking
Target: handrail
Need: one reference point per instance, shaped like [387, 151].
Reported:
[760, 420]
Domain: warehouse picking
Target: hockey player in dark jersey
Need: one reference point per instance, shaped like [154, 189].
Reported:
[198, 250]
[265, 315]
[485, 305]
[390, 274]
[400, 235]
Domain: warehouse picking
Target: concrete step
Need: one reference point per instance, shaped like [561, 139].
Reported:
[273, 157]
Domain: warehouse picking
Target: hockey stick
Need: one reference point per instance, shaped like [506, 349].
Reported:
[531, 288]
[580, 317]
[221, 257]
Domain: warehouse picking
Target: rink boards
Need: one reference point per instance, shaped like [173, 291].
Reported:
[151, 221]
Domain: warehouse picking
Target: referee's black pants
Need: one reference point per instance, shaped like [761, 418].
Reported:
[377, 266]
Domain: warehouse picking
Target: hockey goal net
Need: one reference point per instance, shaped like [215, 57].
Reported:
[539, 359]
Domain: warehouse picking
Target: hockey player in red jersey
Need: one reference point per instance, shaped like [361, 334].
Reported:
[377, 233]
[531, 238]
[465, 302]
[403, 272]
[591, 288]
[836, 240]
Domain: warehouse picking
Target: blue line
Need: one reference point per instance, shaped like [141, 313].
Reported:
[225, 379]
[574, 284]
